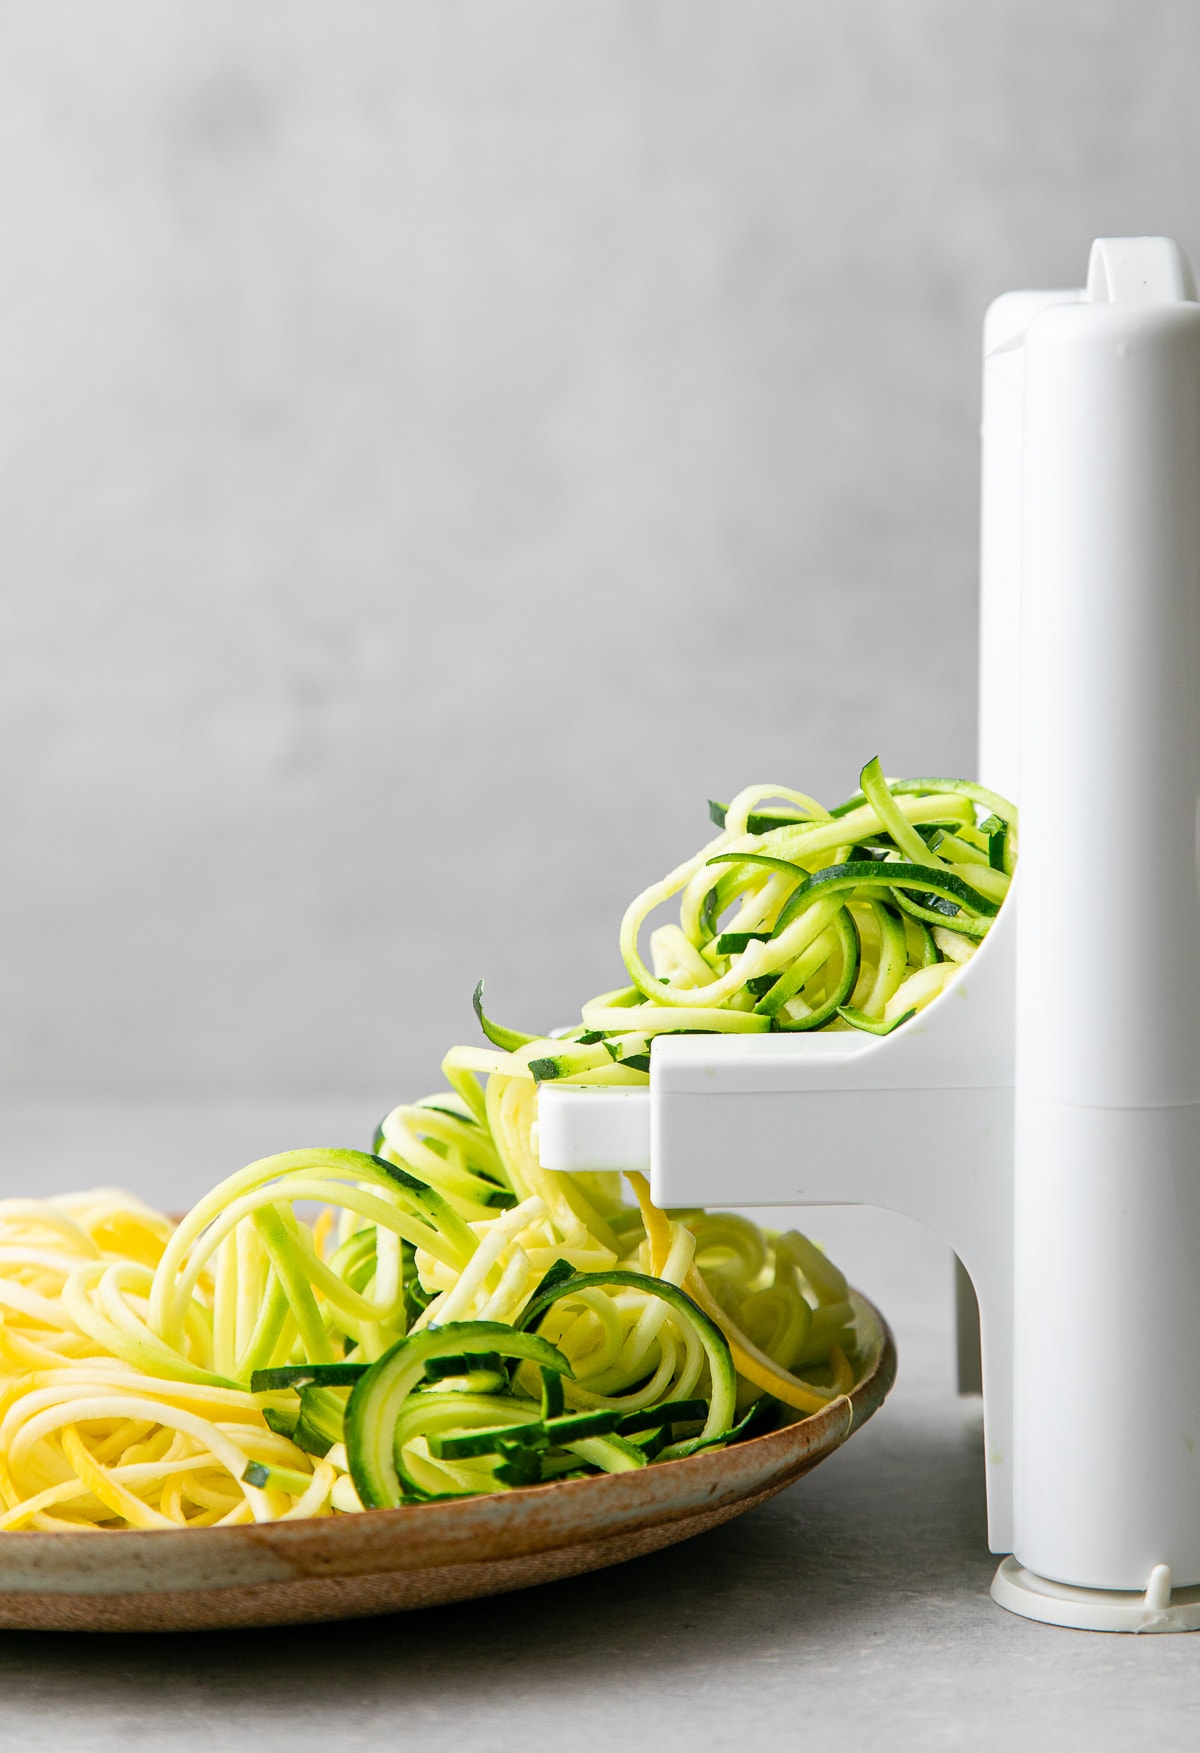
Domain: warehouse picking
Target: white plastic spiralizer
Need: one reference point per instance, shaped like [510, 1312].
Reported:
[1065, 1060]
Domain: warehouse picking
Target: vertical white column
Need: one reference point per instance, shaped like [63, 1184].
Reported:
[1001, 448]
[1002, 445]
[1107, 1216]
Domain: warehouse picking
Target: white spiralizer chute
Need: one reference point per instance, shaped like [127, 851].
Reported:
[1063, 1066]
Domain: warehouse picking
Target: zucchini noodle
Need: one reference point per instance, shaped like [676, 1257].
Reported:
[333, 1330]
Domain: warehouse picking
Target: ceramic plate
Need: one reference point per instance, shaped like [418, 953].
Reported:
[384, 1561]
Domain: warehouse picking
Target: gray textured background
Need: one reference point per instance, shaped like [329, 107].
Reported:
[443, 443]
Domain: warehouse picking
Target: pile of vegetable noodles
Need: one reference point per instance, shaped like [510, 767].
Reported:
[332, 1330]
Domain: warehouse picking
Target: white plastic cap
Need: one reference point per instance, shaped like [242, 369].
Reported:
[1139, 270]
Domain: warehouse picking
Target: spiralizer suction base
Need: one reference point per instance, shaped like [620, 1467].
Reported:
[1159, 1609]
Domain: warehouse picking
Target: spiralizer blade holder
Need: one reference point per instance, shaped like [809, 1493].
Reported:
[1065, 1059]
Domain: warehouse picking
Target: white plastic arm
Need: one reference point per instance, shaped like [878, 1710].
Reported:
[918, 1122]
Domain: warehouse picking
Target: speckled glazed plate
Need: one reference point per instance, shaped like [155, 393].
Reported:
[385, 1561]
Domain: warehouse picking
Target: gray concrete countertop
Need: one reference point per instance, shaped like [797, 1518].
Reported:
[853, 1608]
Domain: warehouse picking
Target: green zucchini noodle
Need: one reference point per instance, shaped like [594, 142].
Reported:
[329, 1331]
